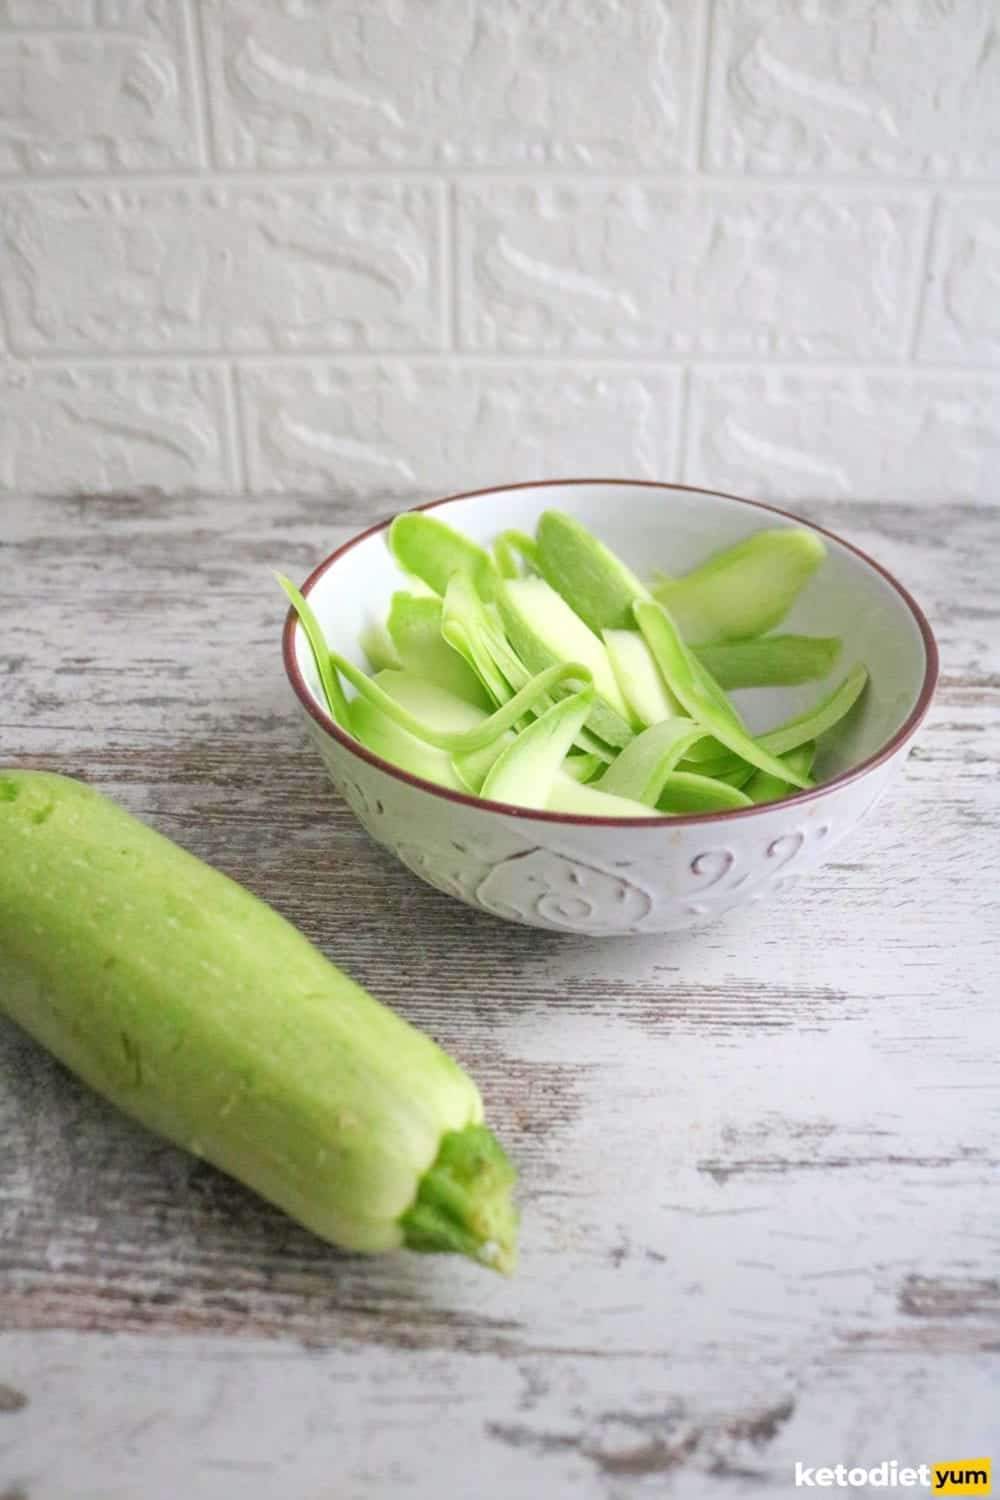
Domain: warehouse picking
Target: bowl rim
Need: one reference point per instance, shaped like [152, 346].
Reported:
[657, 820]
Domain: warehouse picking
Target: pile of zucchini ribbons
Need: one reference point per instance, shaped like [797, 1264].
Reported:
[543, 673]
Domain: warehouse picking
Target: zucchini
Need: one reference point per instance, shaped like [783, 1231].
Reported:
[643, 766]
[770, 660]
[381, 734]
[745, 590]
[201, 1012]
[473, 766]
[582, 767]
[761, 787]
[480, 733]
[640, 679]
[434, 552]
[378, 646]
[543, 629]
[429, 702]
[499, 626]
[477, 631]
[815, 721]
[593, 581]
[469, 630]
[686, 792]
[579, 801]
[819, 719]
[507, 547]
[414, 629]
[739, 777]
[524, 773]
[698, 692]
[326, 671]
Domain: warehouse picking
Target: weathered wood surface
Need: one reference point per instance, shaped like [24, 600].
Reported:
[760, 1188]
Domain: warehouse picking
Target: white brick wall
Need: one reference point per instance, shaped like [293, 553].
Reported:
[408, 246]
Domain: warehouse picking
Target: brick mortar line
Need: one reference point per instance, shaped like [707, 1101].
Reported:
[448, 269]
[759, 364]
[932, 237]
[701, 122]
[7, 354]
[681, 433]
[194, 34]
[233, 420]
[345, 500]
[864, 184]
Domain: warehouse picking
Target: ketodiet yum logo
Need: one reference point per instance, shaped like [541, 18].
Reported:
[966, 1476]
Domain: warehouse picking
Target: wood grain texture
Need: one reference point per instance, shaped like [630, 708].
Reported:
[760, 1187]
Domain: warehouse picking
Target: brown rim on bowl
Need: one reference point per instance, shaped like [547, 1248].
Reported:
[905, 732]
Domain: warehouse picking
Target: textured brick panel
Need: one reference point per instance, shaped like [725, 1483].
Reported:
[879, 86]
[33, 15]
[905, 437]
[962, 309]
[111, 90]
[112, 428]
[488, 239]
[509, 81]
[407, 429]
[215, 268]
[581, 266]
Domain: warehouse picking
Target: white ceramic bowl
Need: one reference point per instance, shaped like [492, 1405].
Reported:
[605, 877]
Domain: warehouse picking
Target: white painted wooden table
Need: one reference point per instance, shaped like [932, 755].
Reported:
[761, 1210]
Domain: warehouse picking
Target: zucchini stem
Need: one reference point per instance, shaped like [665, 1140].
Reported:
[463, 1202]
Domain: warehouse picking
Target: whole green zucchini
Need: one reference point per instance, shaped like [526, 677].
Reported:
[200, 1011]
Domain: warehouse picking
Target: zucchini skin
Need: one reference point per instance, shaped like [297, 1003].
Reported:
[199, 1011]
